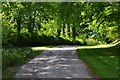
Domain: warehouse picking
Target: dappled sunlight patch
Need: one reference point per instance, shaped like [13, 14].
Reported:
[117, 68]
[64, 48]
[63, 59]
[74, 59]
[55, 48]
[105, 60]
[112, 56]
[52, 60]
[68, 77]
[32, 70]
[48, 67]
[39, 48]
[64, 65]
[43, 73]
[26, 74]
[41, 59]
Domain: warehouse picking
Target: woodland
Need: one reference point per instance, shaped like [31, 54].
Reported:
[38, 24]
[56, 23]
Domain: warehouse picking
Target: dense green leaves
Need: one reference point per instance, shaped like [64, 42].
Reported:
[76, 21]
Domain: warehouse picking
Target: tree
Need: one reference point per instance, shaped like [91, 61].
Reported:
[70, 21]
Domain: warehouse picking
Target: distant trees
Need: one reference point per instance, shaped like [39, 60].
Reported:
[71, 20]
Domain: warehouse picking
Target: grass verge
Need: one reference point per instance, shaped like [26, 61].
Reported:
[104, 62]
[13, 58]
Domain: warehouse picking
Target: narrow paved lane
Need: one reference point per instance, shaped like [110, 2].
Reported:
[55, 63]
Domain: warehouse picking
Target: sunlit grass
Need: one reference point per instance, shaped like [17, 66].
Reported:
[79, 47]
[97, 46]
[102, 60]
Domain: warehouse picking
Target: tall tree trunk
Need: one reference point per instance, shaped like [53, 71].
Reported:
[59, 31]
[39, 25]
[63, 29]
[68, 29]
[18, 20]
[74, 32]
[18, 25]
[30, 25]
[34, 19]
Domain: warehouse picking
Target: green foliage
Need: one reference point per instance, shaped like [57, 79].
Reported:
[17, 56]
[102, 61]
[37, 40]
[13, 58]
[92, 42]
[27, 22]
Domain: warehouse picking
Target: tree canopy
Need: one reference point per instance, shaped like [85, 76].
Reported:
[41, 23]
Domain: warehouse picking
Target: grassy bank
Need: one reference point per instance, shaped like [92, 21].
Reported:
[13, 58]
[102, 61]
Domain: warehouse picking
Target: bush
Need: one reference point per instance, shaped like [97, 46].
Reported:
[37, 40]
[17, 56]
[92, 42]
